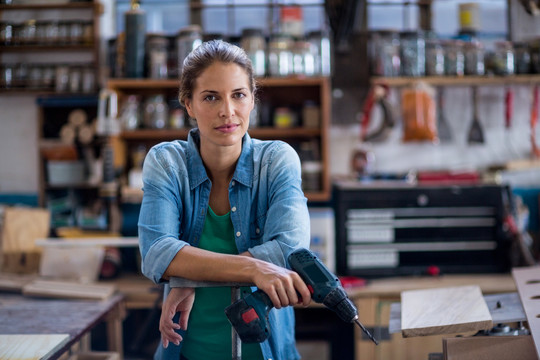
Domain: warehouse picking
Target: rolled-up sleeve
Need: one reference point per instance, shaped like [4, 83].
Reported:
[160, 215]
[287, 220]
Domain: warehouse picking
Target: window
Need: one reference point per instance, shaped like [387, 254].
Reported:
[225, 17]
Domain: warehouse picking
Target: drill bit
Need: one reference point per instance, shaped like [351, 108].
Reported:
[366, 331]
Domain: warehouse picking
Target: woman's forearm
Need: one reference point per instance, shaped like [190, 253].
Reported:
[197, 264]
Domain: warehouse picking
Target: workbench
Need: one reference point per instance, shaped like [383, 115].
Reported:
[374, 300]
[21, 315]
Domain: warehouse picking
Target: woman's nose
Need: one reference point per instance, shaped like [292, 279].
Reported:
[227, 109]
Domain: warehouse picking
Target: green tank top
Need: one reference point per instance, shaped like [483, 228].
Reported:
[209, 332]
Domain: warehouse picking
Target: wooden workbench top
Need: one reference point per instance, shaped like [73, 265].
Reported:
[392, 287]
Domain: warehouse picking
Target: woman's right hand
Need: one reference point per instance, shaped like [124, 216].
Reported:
[284, 287]
[178, 300]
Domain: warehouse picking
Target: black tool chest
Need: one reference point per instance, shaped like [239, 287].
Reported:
[412, 230]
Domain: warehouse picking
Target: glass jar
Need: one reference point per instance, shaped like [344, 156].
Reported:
[412, 53]
[157, 56]
[8, 74]
[434, 58]
[187, 39]
[35, 75]
[320, 46]
[88, 32]
[504, 58]
[522, 58]
[156, 112]
[384, 53]
[20, 79]
[6, 33]
[51, 32]
[47, 78]
[303, 60]
[63, 32]
[254, 45]
[474, 58]
[88, 84]
[75, 79]
[130, 116]
[41, 32]
[454, 58]
[61, 78]
[280, 55]
[75, 32]
[28, 32]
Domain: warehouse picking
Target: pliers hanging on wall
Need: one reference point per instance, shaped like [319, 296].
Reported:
[378, 94]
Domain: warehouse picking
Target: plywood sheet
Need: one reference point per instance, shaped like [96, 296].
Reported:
[528, 284]
[68, 290]
[504, 308]
[30, 347]
[21, 228]
[444, 311]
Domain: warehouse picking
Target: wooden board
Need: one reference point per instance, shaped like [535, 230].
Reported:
[504, 308]
[489, 348]
[30, 347]
[15, 282]
[444, 311]
[21, 228]
[68, 290]
[528, 284]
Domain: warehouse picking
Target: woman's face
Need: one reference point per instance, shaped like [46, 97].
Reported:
[221, 104]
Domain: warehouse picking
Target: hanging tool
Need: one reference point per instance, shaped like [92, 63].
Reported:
[476, 134]
[443, 129]
[378, 94]
[535, 151]
[249, 316]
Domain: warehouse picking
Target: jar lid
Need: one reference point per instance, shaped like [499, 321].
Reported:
[252, 32]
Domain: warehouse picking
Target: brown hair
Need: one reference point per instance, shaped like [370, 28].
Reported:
[205, 55]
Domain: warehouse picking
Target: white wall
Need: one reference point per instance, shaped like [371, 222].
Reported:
[18, 144]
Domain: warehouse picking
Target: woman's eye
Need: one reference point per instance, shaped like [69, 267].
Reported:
[239, 95]
[209, 98]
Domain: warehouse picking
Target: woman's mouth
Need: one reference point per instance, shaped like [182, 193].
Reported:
[227, 128]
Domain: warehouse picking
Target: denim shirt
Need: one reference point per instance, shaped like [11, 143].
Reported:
[268, 212]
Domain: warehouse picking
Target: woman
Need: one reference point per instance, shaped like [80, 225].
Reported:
[222, 207]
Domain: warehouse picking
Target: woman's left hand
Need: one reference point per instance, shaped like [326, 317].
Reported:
[178, 300]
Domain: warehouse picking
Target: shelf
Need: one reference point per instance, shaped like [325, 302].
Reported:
[58, 5]
[39, 48]
[143, 83]
[258, 133]
[525, 79]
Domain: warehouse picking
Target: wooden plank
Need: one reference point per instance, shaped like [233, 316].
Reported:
[68, 290]
[15, 282]
[30, 347]
[504, 308]
[528, 284]
[489, 348]
[444, 311]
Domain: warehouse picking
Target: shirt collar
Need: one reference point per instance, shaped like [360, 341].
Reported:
[197, 172]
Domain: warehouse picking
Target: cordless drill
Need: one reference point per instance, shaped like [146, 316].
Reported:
[249, 315]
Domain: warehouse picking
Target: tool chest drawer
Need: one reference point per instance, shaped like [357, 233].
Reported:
[411, 230]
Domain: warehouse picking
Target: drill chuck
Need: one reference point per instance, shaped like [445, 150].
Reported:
[338, 301]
